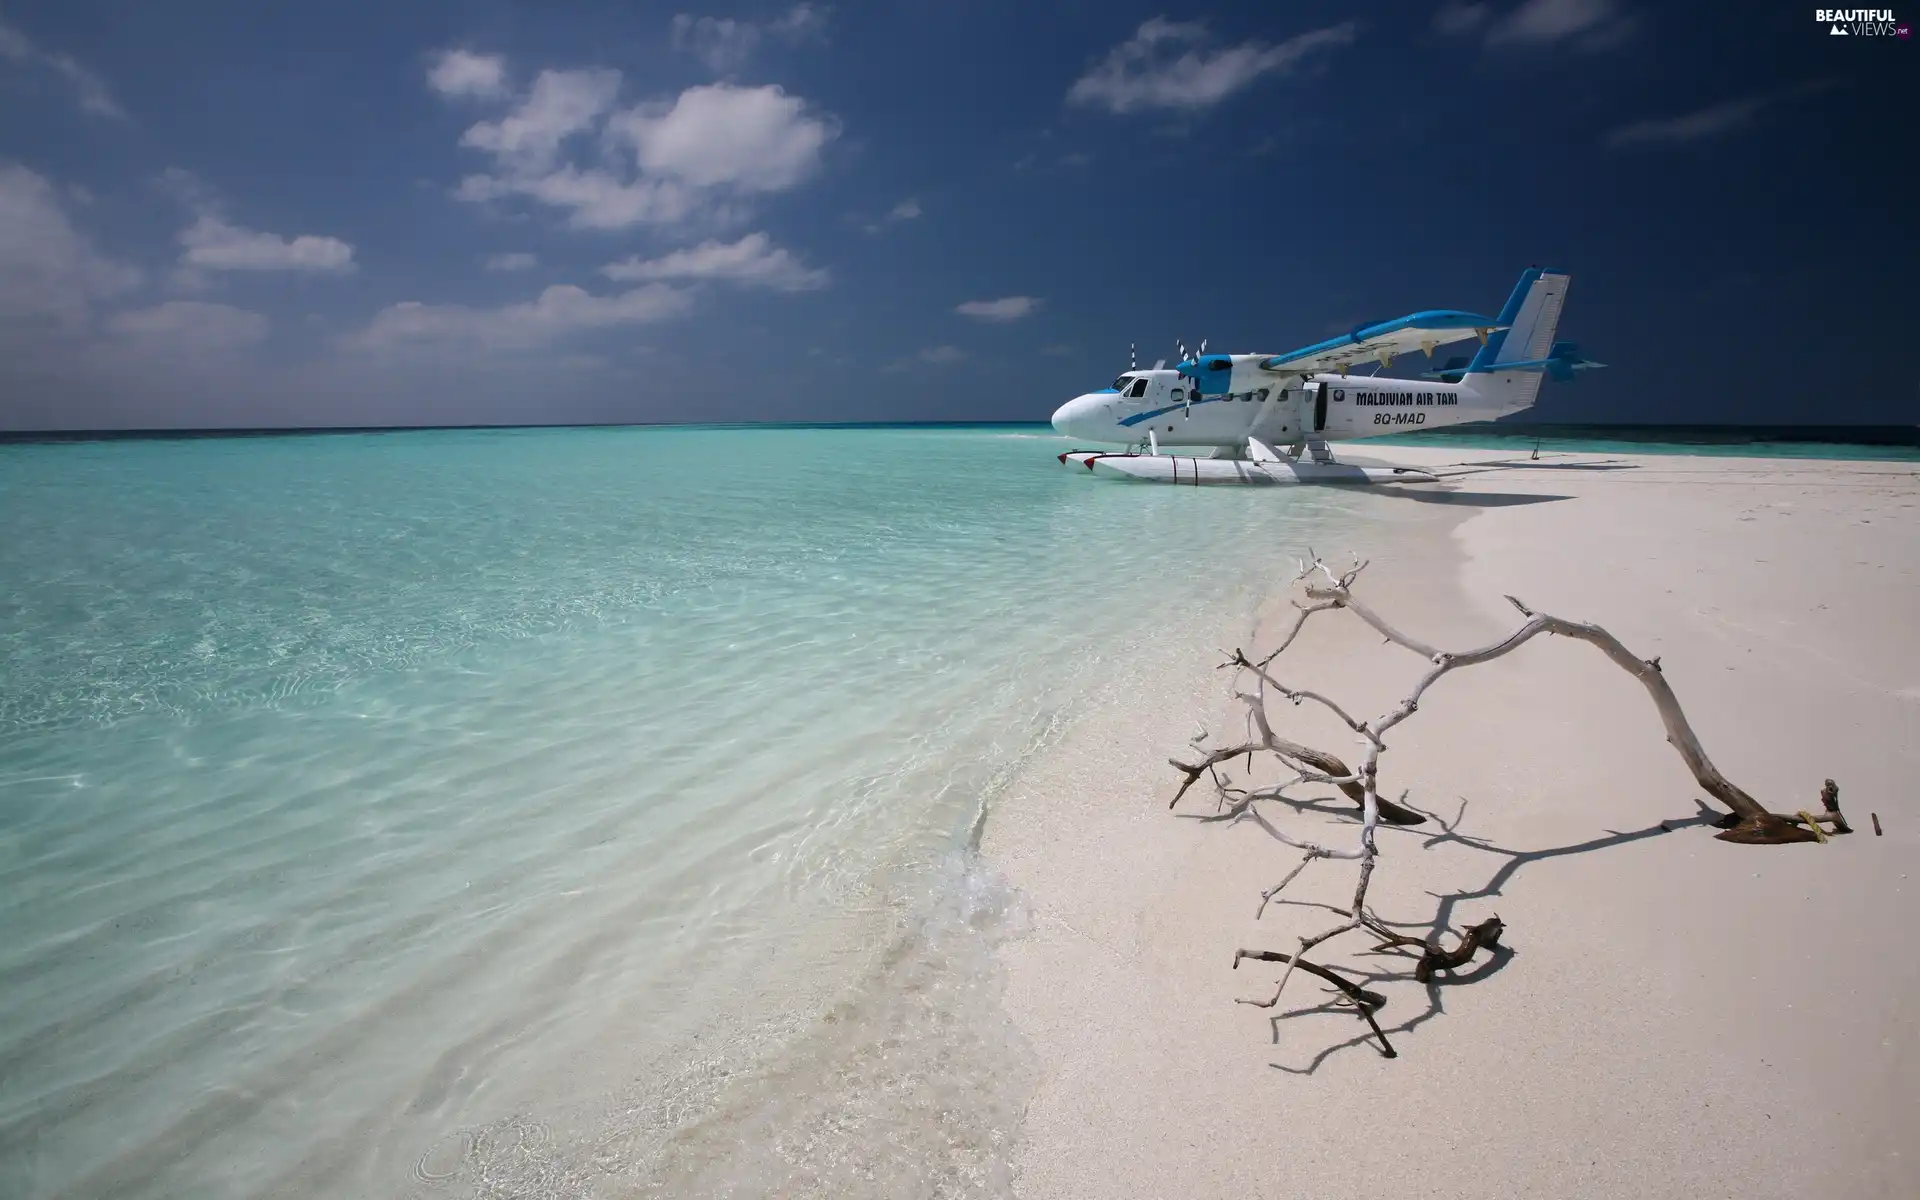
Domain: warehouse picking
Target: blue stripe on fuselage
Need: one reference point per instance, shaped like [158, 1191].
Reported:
[1136, 418]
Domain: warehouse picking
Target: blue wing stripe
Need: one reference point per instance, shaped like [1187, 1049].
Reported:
[1436, 320]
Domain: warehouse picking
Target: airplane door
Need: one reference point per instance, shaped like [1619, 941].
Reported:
[1319, 391]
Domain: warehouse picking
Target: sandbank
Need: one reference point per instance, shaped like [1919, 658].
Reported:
[1678, 1016]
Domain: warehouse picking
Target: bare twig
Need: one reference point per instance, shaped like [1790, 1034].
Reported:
[1270, 893]
[1363, 1001]
[1353, 990]
[1749, 821]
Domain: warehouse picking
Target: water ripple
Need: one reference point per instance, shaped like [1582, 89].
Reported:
[496, 813]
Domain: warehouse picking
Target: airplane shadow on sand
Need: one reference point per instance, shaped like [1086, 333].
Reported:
[1468, 499]
[1461, 470]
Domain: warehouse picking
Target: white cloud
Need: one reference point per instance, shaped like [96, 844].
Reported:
[517, 260]
[906, 210]
[1711, 121]
[48, 269]
[753, 261]
[692, 155]
[725, 44]
[557, 312]
[187, 188]
[1174, 65]
[89, 89]
[463, 73]
[755, 139]
[212, 244]
[596, 199]
[561, 104]
[192, 325]
[803, 23]
[1455, 18]
[1588, 24]
[1007, 308]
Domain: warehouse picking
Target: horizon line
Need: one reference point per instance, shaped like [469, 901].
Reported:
[1899, 434]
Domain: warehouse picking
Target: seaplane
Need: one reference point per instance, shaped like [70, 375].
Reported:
[1240, 406]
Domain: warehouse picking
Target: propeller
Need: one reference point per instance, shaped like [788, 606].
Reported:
[1133, 360]
[1193, 385]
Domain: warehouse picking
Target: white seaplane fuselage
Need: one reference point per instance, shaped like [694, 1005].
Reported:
[1277, 410]
[1240, 407]
[1155, 413]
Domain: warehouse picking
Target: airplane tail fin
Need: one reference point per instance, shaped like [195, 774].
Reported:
[1507, 370]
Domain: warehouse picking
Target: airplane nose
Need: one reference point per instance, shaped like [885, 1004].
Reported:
[1071, 414]
[1061, 416]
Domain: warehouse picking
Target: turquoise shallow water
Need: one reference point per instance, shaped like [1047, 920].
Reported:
[506, 812]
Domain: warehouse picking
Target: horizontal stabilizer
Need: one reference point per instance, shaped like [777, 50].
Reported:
[1560, 364]
[1565, 359]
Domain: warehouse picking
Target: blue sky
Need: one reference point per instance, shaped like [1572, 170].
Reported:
[233, 214]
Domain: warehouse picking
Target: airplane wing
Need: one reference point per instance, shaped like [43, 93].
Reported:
[1383, 341]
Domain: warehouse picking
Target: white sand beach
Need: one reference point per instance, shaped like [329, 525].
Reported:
[1678, 1016]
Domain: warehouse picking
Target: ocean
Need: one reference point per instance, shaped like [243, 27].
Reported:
[551, 812]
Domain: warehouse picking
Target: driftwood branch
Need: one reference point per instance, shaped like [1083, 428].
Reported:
[1363, 1001]
[1353, 991]
[1748, 821]
[1433, 958]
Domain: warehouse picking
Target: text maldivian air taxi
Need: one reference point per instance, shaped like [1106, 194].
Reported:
[1240, 406]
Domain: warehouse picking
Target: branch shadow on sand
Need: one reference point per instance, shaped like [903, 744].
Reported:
[1482, 968]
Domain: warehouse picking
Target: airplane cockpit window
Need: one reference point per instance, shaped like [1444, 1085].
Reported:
[1120, 384]
[1139, 389]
